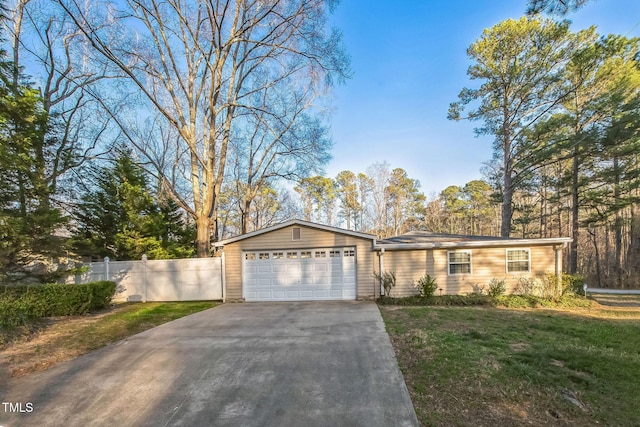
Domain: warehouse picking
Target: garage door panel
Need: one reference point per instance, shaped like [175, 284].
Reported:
[279, 294]
[264, 268]
[299, 274]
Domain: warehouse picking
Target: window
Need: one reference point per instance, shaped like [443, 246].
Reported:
[295, 233]
[518, 260]
[278, 255]
[459, 262]
[292, 255]
[250, 256]
[321, 254]
[305, 254]
[334, 254]
[349, 252]
[263, 255]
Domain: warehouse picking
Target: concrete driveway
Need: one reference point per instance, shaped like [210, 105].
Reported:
[254, 364]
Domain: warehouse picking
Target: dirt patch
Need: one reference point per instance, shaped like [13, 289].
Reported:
[39, 348]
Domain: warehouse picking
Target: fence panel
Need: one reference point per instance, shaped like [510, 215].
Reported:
[190, 279]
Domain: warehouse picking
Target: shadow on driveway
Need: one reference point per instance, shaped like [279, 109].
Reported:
[254, 364]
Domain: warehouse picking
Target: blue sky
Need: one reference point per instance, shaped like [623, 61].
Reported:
[409, 62]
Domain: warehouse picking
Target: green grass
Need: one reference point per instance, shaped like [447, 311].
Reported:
[489, 366]
[67, 338]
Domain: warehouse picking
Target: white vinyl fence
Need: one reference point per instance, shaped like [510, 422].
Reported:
[190, 279]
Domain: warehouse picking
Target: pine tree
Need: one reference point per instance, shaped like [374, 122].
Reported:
[122, 219]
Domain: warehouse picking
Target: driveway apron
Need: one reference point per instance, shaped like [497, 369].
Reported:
[253, 364]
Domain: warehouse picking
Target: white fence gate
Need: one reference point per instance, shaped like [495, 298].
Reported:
[192, 279]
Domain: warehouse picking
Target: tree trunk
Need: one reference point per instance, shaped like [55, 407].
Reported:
[245, 215]
[203, 236]
[573, 253]
[597, 257]
[507, 208]
[617, 225]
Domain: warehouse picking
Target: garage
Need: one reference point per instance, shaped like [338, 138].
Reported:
[299, 274]
[298, 261]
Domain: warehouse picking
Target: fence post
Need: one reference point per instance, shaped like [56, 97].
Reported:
[106, 268]
[144, 275]
[223, 268]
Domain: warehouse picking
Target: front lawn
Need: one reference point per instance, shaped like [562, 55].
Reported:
[502, 367]
[56, 340]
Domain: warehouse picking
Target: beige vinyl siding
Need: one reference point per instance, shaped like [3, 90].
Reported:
[486, 264]
[408, 266]
[310, 238]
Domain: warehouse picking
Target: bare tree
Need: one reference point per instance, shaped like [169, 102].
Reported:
[201, 65]
[279, 140]
[46, 48]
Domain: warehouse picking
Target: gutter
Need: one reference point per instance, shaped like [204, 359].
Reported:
[471, 244]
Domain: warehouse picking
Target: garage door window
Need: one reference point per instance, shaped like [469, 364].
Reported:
[334, 254]
[264, 255]
[278, 255]
[292, 255]
[250, 256]
[321, 254]
[305, 254]
[349, 252]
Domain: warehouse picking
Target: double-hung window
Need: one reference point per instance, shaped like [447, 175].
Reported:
[518, 260]
[459, 262]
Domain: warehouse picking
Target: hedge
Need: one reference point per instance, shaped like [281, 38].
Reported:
[24, 303]
[508, 301]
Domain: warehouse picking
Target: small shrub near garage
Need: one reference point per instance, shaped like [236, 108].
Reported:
[427, 286]
[24, 303]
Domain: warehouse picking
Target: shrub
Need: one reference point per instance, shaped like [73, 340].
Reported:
[443, 300]
[532, 301]
[426, 285]
[525, 286]
[572, 284]
[24, 303]
[387, 280]
[496, 288]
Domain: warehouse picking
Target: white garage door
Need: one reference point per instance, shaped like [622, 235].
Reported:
[299, 274]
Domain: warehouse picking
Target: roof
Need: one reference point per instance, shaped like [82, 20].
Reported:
[295, 222]
[426, 240]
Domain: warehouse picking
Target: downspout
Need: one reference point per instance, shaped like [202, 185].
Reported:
[558, 249]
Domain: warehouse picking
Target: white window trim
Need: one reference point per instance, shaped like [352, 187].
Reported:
[506, 260]
[449, 273]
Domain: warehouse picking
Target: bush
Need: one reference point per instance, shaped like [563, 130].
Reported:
[496, 288]
[572, 284]
[24, 303]
[532, 301]
[525, 286]
[426, 285]
[443, 300]
[387, 280]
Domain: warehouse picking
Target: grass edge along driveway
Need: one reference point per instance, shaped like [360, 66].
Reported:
[53, 341]
[501, 367]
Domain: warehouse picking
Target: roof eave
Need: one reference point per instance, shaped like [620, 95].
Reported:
[473, 244]
[290, 222]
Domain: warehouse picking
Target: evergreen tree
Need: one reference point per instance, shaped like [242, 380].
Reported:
[27, 219]
[121, 218]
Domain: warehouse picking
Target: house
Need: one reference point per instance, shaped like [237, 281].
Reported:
[303, 261]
